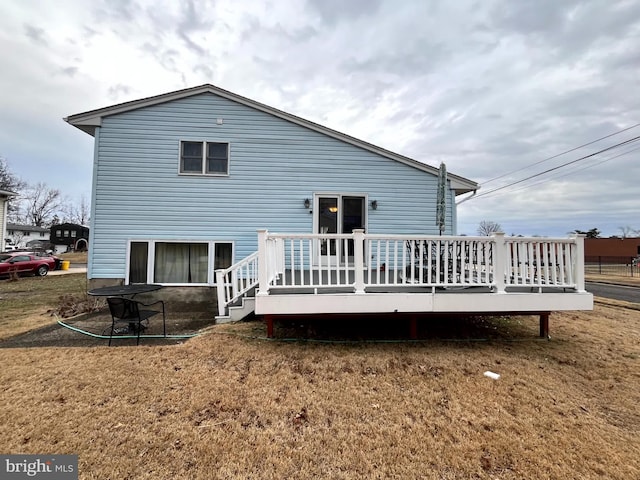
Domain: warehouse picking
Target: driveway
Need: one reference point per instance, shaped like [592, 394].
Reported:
[73, 269]
[625, 293]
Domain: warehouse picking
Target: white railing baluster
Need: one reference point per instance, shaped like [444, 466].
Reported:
[360, 260]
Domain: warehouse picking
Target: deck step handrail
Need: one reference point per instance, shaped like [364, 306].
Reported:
[359, 261]
[235, 281]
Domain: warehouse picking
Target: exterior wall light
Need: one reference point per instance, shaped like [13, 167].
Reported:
[307, 203]
[374, 204]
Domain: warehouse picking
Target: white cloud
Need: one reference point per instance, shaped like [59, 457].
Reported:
[488, 87]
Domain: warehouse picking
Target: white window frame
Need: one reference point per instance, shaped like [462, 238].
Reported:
[339, 196]
[203, 172]
[151, 255]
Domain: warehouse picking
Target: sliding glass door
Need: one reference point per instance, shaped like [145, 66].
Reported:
[338, 214]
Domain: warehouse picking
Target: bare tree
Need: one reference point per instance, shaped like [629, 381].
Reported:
[627, 231]
[40, 203]
[487, 227]
[12, 183]
[17, 237]
[77, 213]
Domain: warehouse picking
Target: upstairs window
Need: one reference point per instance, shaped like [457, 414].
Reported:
[204, 158]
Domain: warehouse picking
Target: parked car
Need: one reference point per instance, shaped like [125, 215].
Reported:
[10, 248]
[27, 262]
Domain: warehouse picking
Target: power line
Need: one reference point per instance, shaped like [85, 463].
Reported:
[559, 166]
[560, 154]
[524, 187]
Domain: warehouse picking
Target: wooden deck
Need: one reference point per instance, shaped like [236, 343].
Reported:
[305, 274]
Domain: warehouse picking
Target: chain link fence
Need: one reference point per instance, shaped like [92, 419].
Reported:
[611, 265]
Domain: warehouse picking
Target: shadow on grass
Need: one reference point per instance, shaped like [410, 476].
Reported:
[327, 328]
[99, 324]
[393, 328]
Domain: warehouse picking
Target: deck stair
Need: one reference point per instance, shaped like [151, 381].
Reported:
[239, 310]
[359, 273]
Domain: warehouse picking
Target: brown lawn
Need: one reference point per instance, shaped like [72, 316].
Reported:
[230, 405]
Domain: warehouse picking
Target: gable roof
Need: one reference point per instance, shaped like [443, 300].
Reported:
[88, 121]
[26, 228]
[6, 194]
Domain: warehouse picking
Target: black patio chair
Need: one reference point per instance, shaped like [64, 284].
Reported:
[439, 253]
[124, 310]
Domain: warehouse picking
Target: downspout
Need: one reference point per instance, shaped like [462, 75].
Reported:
[468, 198]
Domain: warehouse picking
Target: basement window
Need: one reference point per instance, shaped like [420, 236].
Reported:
[177, 263]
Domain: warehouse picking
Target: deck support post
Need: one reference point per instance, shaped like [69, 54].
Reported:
[269, 320]
[413, 327]
[544, 325]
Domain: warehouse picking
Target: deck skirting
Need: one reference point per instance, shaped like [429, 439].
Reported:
[458, 302]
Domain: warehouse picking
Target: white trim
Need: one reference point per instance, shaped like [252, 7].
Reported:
[203, 172]
[339, 195]
[458, 302]
[340, 220]
[151, 253]
[94, 196]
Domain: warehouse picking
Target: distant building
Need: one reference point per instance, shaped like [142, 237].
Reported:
[612, 247]
[4, 205]
[22, 235]
[69, 236]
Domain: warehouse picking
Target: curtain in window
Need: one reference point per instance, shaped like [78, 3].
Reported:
[198, 262]
[223, 255]
[137, 262]
[181, 262]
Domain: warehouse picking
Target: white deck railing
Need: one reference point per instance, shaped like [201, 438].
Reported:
[361, 262]
[235, 281]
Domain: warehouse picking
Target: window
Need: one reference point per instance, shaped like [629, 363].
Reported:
[138, 262]
[73, 233]
[177, 263]
[42, 234]
[58, 233]
[204, 158]
[66, 233]
[181, 263]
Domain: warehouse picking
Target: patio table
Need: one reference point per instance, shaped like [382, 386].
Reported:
[129, 291]
[124, 290]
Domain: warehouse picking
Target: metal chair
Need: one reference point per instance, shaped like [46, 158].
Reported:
[124, 310]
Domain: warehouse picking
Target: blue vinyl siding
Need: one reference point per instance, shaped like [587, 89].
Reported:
[273, 166]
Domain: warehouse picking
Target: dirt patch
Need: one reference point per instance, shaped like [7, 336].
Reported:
[99, 323]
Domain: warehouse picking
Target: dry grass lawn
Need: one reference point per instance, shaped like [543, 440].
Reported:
[24, 303]
[228, 405]
[74, 257]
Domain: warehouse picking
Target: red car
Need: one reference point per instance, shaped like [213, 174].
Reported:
[26, 262]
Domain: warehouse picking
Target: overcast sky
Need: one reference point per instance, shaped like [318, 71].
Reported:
[488, 87]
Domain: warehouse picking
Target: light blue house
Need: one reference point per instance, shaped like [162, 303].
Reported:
[183, 181]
